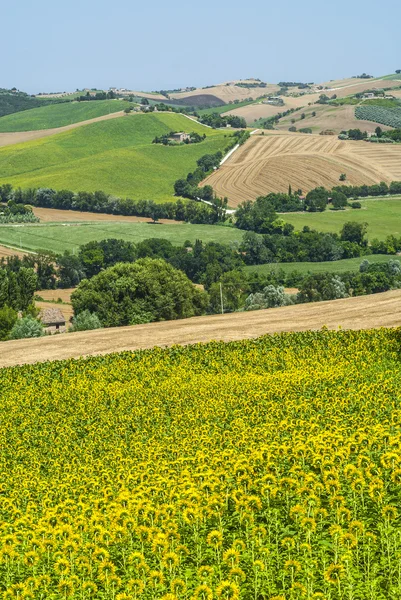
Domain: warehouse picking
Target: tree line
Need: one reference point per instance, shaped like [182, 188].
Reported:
[100, 202]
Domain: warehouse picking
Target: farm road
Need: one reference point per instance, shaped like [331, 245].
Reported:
[377, 310]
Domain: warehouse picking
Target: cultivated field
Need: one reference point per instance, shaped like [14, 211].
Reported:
[363, 312]
[382, 216]
[20, 137]
[58, 237]
[334, 266]
[5, 252]
[54, 215]
[335, 118]
[228, 92]
[270, 163]
[58, 294]
[58, 115]
[115, 155]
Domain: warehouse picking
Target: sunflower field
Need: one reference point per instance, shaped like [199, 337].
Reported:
[267, 469]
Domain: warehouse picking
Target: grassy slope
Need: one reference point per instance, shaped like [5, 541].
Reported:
[382, 216]
[58, 115]
[336, 266]
[116, 156]
[59, 237]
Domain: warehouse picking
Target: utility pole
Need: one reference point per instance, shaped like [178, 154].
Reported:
[221, 299]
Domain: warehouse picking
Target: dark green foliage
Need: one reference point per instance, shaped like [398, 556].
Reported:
[8, 318]
[147, 290]
[15, 101]
[316, 200]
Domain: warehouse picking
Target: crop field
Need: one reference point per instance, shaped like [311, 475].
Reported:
[257, 469]
[382, 216]
[369, 84]
[270, 163]
[380, 114]
[227, 92]
[116, 156]
[58, 115]
[335, 118]
[58, 237]
[334, 266]
[56, 215]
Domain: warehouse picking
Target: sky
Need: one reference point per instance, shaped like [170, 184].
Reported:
[51, 46]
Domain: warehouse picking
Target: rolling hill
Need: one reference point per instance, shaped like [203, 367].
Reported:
[362, 312]
[270, 163]
[116, 156]
[58, 115]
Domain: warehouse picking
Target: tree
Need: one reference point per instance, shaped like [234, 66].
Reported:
[147, 290]
[354, 232]
[343, 177]
[85, 321]
[316, 200]
[8, 317]
[379, 132]
[339, 200]
[127, 110]
[145, 102]
[27, 327]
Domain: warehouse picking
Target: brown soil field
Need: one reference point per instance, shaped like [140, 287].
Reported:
[364, 312]
[66, 309]
[263, 111]
[53, 215]
[336, 83]
[349, 90]
[228, 92]
[270, 163]
[336, 118]
[18, 137]
[54, 295]
[4, 252]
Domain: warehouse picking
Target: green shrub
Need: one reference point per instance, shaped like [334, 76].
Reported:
[27, 327]
[85, 321]
[8, 317]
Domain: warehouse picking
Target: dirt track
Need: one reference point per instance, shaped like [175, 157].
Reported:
[19, 137]
[379, 310]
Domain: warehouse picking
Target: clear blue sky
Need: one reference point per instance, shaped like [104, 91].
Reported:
[47, 45]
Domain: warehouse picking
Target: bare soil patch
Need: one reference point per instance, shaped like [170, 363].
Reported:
[365, 312]
[55, 215]
[5, 252]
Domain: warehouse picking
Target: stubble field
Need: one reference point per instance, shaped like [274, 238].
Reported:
[271, 163]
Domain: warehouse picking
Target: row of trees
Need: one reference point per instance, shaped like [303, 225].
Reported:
[100, 202]
[217, 121]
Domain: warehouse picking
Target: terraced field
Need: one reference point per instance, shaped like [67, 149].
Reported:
[270, 163]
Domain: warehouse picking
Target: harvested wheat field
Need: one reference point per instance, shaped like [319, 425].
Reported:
[59, 294]
[364, 312]
[270, 163]
[228, 92]
[264, 111]
[335, 118]
[55, 215]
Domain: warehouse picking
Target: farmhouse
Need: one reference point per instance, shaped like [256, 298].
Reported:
[180, 137]
[53, 320]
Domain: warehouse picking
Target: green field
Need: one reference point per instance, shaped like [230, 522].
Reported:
[58, 115]
[116, 156]
[58, 237]
[382, 216]
[335, 266]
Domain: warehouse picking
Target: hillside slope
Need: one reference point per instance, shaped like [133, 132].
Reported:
[270, 163]
[58, 115]
[116, 156]
[363, 312]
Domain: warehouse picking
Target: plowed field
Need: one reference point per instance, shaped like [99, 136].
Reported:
[270, 163]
